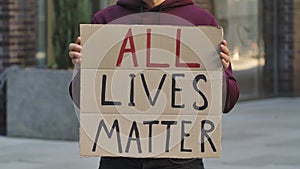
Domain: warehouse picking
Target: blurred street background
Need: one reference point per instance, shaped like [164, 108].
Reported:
[261, 134]
[38, 124]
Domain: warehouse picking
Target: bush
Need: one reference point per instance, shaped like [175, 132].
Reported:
[68, 14]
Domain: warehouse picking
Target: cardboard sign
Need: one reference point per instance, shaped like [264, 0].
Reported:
[151, 91]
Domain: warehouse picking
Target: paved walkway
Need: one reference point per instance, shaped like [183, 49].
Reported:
[262, 134]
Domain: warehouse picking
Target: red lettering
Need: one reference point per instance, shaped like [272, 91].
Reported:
[148, 63]
[127, 50]
[178, 48]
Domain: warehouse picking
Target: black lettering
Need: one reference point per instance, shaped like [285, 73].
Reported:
[103, 95]
[169, 124]
[174, 90]
[116, 127]
[132, 103]
[204, 134]
[134, 129]
[153, 101]
[150, 123]
[183, 135]
[205, 104]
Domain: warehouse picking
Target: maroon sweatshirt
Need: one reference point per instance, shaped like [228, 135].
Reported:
[170, 12]
[189, 13]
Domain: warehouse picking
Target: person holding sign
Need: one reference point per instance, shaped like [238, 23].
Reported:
[148, 12]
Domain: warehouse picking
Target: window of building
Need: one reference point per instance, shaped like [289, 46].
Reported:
[241, 22]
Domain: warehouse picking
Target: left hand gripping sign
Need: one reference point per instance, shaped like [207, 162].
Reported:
[151, 91]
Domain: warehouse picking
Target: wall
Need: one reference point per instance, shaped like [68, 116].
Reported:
[2, 111]
[297, 46]
[281, 39]
[39, 106]
[4, 40]
[18, 32]
[285, 47]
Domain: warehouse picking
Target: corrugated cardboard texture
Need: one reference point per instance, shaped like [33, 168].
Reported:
[107, 40]
[183, 139]
[118, 89]
[151, 91]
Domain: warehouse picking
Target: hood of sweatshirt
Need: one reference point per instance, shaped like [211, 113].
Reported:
[170, 12]
[140, 6]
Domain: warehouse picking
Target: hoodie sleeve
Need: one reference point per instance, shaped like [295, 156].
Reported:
[74, 89]
[232, 90]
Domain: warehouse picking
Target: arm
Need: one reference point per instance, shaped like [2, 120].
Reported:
[232, 88]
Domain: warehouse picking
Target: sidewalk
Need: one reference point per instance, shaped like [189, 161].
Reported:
[262, 134]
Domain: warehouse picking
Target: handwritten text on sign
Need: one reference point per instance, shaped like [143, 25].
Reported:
[146, 92]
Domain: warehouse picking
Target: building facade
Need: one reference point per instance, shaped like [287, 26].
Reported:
[282, 54]
[18, 37]
[263, 38]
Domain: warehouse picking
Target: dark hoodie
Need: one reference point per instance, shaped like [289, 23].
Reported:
[170, 12]
[188, 13]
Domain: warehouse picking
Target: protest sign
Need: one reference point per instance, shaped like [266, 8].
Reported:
[151, 91]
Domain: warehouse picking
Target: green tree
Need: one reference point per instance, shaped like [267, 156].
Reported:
[68, 14]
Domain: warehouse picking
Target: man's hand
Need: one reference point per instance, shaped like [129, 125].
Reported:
[225, 54]
[75, 52]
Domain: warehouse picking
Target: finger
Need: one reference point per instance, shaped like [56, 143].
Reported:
[75, 47]
[225, 49]
[225, 63]
[76, 61]
[225, 57]
[224, 42]
[74, 55]
[78, 41]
